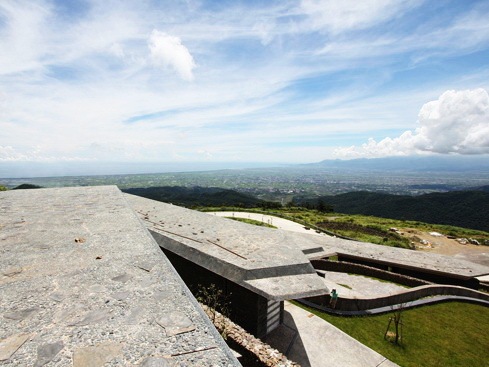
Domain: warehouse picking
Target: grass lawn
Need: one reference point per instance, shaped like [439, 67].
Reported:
[448, 334]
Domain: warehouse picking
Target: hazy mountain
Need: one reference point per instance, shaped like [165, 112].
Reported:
[410, 164]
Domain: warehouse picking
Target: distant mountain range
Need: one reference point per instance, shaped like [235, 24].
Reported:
[468, 209]
[410, 164]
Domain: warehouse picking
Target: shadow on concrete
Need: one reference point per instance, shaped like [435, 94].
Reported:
[287, 340]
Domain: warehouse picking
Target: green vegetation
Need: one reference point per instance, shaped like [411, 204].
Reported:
[366, 228]
[3, 188]
[217, 301]
[27, 186]
[252, 221]
[200, 196]
[447, 334]
[385, 223]
[468, 209]
[359, 227]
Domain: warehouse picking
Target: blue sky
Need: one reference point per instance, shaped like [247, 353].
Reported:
[242, 81]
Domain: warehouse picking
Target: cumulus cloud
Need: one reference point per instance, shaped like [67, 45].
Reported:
[168, 51]
[456, 123]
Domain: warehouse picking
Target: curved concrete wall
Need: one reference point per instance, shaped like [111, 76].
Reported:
[403, 297]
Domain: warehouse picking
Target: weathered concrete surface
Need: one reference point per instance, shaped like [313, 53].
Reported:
[313, 342]
[83, 283]
[263, 260]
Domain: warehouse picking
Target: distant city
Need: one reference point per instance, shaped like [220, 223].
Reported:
[276, 183]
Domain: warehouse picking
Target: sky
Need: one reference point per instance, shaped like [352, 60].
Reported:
[242, 81]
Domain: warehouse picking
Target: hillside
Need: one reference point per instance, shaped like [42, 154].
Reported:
[199, 196]
[468, 209]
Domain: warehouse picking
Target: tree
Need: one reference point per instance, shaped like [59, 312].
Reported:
[396, 319]
[216, 301]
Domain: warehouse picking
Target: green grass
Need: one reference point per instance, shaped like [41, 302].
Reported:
[386, 223]
[444, 335]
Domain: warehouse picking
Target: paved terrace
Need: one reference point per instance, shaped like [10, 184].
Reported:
[265, 261]
[83, 283]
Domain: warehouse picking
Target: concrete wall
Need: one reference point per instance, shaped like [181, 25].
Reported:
[415, 272]
[360, 304]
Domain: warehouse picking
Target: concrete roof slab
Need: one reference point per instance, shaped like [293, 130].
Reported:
[79, 272]
[289, 286]
[237, 251]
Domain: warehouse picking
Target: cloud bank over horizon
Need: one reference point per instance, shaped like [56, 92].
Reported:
[456, 123]
[204, 81]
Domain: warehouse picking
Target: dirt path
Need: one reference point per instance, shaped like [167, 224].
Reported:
[440, 244]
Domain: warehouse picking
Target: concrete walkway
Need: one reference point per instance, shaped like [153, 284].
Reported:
[278, 222]
[352, 285]
[313, 342]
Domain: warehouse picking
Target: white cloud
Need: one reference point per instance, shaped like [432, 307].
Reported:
[338, 16]
[456, 123]
[21, 35]
[168, 51]
[88, 81]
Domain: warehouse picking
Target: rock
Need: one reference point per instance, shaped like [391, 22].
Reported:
[175, 323]
[96, 356]
[122, 278]
[11, 344]
[20, 315]
[92, 317]
[46, 353]
[157, 362]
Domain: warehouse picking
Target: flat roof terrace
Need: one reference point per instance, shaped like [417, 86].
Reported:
[83, 283]
[266, 261]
